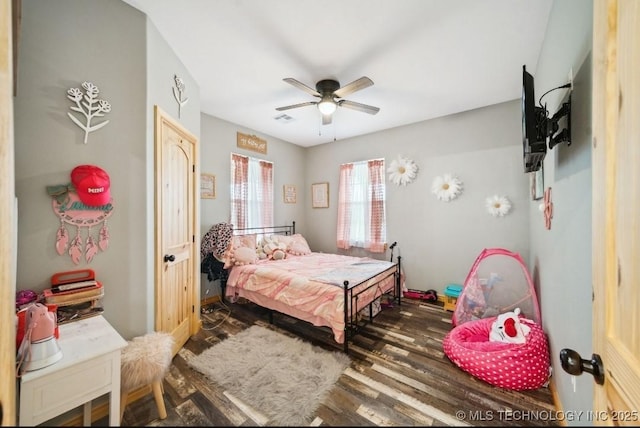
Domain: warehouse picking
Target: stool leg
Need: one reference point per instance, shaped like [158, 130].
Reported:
[157, 393]
[124, 395]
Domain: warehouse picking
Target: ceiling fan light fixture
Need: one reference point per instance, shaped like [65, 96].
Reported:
[331, 96]
[327, 106]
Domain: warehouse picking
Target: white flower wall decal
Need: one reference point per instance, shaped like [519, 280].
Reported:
[498, 206]
[446, 187]
[402, 171]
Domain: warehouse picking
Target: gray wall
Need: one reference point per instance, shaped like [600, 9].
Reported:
[438, 241]
[63, 44]
[560, 258]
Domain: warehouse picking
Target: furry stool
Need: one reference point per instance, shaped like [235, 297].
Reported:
[145, 361]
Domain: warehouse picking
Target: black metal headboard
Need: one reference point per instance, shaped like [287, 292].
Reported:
[268, 230]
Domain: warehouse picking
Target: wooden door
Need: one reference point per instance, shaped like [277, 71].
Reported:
[177, 278]
[7, 225]
[616, 208]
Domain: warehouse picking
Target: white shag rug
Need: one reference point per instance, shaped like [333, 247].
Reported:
[283, 378]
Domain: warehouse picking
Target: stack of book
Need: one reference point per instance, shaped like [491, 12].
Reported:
[77, 295]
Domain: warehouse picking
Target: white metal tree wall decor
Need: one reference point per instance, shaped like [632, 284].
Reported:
[178, 91]
[402, 171]
[446, 187]
[498, 206]
[90, 106]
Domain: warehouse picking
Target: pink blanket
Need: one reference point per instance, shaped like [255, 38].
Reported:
[309, 287]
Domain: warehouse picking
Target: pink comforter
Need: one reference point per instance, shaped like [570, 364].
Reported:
[310, 287]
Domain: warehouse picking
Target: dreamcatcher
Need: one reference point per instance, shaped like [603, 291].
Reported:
[83, 229]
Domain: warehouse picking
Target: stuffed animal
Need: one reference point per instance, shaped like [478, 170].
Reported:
[261, 254]
[273, 250]
[508, 328]
[278, 254]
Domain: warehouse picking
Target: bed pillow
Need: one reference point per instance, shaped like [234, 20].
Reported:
[298, 246]
[243, 256]
[282, 239]
[233, 257]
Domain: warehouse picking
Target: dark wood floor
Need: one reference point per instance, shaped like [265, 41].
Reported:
[399, 375]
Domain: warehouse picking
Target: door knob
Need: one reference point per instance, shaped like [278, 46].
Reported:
[169, 258]
[573, 364]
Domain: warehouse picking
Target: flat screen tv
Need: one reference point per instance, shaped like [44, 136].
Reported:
[534, 119]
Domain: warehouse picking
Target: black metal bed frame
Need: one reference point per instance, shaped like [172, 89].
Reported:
[352, 325]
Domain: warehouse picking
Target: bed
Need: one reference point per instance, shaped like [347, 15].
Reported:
[326, 290]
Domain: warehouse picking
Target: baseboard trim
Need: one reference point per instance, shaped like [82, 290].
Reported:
[209, 300]
[556, 400]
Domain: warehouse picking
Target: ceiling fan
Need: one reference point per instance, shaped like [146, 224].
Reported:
[331, 96]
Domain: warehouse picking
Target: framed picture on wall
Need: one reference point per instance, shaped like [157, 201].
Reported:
[320, 195]
[207, 186]
[289, 194]
[536, 180]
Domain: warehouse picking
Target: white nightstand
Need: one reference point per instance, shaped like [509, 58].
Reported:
[89, 368]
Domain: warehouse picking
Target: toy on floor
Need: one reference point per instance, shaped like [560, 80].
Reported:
[507, 328]
[429, 295]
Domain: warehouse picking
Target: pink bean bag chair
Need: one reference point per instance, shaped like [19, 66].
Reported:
[506, 364]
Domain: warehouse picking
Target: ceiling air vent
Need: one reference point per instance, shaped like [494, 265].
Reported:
[284, 118]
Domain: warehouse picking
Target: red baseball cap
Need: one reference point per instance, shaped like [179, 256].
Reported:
[92, 185]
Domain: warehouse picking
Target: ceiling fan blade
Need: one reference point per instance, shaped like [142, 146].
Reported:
[326, 119]
[302, 86]
[308, 103]
[360, 107]
[356, 85]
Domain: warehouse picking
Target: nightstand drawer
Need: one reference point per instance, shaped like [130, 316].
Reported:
[71, 387]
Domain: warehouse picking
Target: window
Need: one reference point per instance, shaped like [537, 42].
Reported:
[251, 192]
[361, 206]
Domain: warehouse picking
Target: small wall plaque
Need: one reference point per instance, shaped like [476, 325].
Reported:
[289, 194]
[251, 142]
[207, 186]
[320, 195]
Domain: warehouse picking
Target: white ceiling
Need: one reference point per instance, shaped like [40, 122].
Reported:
[427, 58]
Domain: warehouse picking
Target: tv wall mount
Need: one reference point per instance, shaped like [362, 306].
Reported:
[549, 127]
